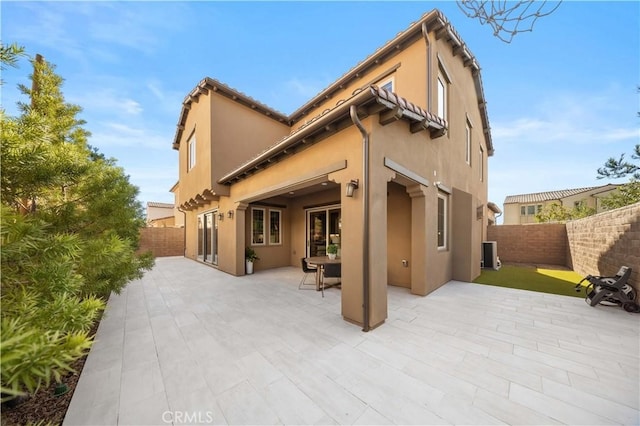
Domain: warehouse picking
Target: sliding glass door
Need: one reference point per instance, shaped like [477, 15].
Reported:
[323, 228]
[208, 237]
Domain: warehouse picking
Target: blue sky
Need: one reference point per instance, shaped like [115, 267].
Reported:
[561, 99]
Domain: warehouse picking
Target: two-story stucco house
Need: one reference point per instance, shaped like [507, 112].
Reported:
[389, 162]
[522, 209]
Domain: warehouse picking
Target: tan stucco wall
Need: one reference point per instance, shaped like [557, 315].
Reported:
[408, 80]
[234, 141]
[398, 235]
[402, 212]
[198, 178]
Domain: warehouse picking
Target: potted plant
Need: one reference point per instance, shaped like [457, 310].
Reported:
[332, 251]
[250, 256]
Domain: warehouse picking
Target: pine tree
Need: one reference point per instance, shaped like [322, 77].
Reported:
[70, 229]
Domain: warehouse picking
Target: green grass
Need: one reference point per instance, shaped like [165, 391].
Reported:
[531, 278]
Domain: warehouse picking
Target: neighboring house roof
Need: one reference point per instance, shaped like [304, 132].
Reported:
[433, 20]
[161, 218]
[161, 205]
[494, 207]
[539, 197]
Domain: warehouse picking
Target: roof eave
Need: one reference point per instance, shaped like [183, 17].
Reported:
[387, 50]
[207, 85]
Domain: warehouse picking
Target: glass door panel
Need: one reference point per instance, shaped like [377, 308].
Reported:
[318, 233]
[335, 227]
[208, 224]
[200, 238]
[214, 239]
[323, 228]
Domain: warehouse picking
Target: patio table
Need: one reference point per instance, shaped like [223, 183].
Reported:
[320, 261]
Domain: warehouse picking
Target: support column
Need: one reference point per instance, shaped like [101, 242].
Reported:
[418, 239]
[240, 240]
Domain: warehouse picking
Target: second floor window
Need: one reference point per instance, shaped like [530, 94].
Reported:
[387, 85]
[530, 210]
[481, 164]
[442, 97]
[191, 154]
[467, 154]
[442, 221]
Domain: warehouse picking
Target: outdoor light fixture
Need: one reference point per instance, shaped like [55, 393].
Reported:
[352, 185]
[230, 214]
[220, 216]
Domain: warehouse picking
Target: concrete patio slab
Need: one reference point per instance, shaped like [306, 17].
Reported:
[187, 344]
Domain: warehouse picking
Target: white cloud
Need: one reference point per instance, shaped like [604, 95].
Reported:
[307, 89]
[106, 100]
[169, 101]
[106, 25]
[112, 134]
[572, 119]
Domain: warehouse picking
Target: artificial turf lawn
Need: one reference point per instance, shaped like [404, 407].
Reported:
[534, 279]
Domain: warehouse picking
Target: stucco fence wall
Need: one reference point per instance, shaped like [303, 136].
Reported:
[162, 241]
[595, 245]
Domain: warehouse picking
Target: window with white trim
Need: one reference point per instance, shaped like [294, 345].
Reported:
[442, 97]
[481, 164]
[191, 153]
[467, 148]
[530, 210]
[257, 226]
[442, 220]
[387, 84]
[275, 227]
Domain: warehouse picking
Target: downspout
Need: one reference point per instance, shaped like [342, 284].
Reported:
[365, 218]
[425, 35]
[184, 231]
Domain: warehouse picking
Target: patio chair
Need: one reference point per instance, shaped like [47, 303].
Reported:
[611, 291]
[331, 270]
[307, 270]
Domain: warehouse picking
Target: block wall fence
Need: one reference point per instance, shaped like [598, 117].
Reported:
[162, 241]
[600, 244]
[595, 245]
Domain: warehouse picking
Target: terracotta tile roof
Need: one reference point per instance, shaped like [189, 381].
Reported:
[539, 197]
[312, 130]
[430, 21]
[157, 204]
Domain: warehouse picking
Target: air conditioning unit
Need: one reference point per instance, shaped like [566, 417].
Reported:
[490, 255]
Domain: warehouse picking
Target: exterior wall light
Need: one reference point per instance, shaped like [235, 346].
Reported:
[352, 185]
[230, 214]
[220, 216]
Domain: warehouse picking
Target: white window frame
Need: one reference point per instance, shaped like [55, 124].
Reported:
[481, 164]
[525, 208]
[445, 198]
[279, 230]
[254, 241]
[388, 82]
[442, 97]
[467, 148]
[191, 152]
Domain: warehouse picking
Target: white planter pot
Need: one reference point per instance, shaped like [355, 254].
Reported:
[249, 267]
[332, 256]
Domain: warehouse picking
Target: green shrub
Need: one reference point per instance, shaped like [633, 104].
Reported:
[31, 357]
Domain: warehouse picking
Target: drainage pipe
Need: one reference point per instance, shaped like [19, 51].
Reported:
[365, 218]
[425, 35]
